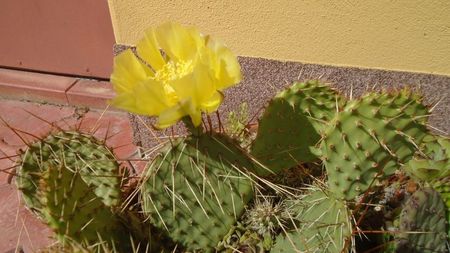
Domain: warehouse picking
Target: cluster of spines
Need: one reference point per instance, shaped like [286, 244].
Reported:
[266, 217]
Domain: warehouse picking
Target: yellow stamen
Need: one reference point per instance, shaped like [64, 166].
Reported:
[173, 71]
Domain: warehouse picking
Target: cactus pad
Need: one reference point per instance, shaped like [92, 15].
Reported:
[71, 180]
[433, 161]
[443, 187]
[423, 224]
[72, 210]
[370, 138]
[323, 225]
[292, 123]
[79, 152]
[196, 190]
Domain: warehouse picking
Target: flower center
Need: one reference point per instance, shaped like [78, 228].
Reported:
[173, 70]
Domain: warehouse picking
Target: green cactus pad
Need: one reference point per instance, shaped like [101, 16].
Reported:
[79, 152]
[72, 209]
[292, 123]
[71, 180]
[437, 147]
[240, 239]
[370, 138]
[443, 187]
[323, 225]
[196, 190]
[433, 161]
[423, 224]
[432, 165]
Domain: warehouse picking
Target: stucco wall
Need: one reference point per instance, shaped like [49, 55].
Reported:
[407, 35]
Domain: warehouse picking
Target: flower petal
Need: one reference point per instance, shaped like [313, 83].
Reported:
[124, 101]
[197, 85]
[192, 110]
[212, 103]
[186, 78]
[147, 98]
[128, 72]
[225, 63]
[170, 116]
[178, 42]
[151, 98]
[196, 117]
[148, 50]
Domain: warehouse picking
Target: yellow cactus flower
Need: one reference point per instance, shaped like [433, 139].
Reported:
[174, 72]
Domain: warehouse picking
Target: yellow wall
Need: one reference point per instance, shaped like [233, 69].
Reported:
[410, 35]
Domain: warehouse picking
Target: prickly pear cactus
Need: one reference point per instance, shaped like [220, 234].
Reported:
[293, 122]
[370, 138]
[323, 225]
[72, 209]
[71, 180]
[432, 162]
[436, 147]
[443, 187]
[423, 224]
[266, 217]
[241, 239]
[196, 190]
[79, 152]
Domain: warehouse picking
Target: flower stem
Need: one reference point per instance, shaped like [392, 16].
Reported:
[194, 130]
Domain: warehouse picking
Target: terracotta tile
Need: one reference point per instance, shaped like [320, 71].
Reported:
[34, 86]
[91, 93]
